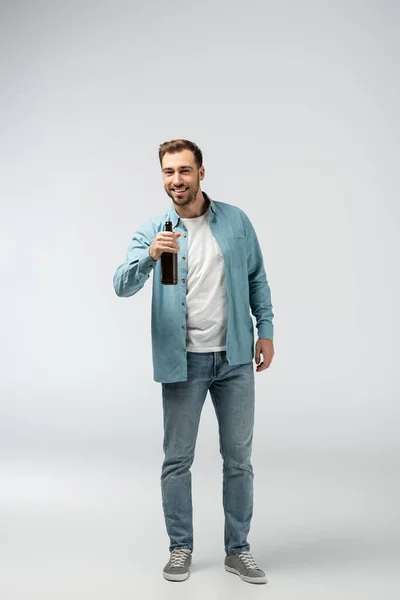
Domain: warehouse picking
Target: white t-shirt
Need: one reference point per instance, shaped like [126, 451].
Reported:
[206, 298]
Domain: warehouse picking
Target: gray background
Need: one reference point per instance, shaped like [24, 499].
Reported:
[296, 108]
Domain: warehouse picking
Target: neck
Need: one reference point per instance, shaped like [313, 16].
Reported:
[195, 209]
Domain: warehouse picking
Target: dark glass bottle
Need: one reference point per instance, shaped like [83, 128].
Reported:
[169, 263]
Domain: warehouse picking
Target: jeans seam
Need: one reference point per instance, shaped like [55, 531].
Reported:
[219, 421]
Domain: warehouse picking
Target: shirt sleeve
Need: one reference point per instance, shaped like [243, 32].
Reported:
[131, 275]
[259, 290]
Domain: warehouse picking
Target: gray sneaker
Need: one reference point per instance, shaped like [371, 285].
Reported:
[177, 568]
[244, 565]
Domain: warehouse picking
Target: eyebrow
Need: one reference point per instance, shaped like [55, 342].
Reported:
[182, 167]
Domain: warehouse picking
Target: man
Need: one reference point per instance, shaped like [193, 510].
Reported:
[203, 340]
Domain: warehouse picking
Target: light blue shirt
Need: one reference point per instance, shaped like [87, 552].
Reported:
[246, 283]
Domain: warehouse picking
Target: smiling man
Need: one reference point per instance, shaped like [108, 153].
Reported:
[203, 341]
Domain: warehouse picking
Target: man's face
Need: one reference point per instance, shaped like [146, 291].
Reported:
[181, 177]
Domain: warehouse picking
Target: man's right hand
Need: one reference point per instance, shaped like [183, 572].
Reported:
[165, 241]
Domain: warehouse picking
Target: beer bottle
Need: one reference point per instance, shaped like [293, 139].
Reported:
[169, 263]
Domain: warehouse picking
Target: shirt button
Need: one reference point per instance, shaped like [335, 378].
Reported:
[184, 235]
[183, 327]
[183, 256]
[183, 281]
[184, 350]
[183, 304]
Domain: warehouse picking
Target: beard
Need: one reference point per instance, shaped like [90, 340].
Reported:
[188, 198]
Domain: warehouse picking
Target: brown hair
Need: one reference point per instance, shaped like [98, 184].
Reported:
[177, 146]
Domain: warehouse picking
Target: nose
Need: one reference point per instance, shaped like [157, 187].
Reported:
[177, 180]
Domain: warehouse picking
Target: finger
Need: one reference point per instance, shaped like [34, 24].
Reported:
[265, 365]
[168, 234]
[168, 248]
[169, 243]
[262, 367]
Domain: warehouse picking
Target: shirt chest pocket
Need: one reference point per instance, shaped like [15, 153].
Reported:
[236, 249]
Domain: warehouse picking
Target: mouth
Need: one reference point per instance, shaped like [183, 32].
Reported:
[180, 191]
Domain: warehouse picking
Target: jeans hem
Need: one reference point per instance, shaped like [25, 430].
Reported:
[232, 552]
[176, 547]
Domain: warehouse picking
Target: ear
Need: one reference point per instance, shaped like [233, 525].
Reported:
[202, 172]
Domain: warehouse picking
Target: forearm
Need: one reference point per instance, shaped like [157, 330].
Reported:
[130, 277]
[261, 307]
[259, 290]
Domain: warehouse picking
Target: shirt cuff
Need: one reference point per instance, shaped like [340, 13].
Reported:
[266, 331]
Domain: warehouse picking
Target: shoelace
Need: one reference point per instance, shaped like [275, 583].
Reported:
[178, 557]
[248, 560]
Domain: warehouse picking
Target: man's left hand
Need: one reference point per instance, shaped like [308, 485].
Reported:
[266, 348]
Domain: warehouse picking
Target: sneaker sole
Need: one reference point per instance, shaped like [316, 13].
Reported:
[245, 578]
[175, 576]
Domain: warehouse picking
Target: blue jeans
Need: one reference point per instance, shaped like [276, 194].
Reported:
[232, 392]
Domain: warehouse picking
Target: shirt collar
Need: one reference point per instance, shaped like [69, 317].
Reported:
[175, 218]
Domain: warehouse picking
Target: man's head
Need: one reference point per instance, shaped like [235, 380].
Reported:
[182, 169]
